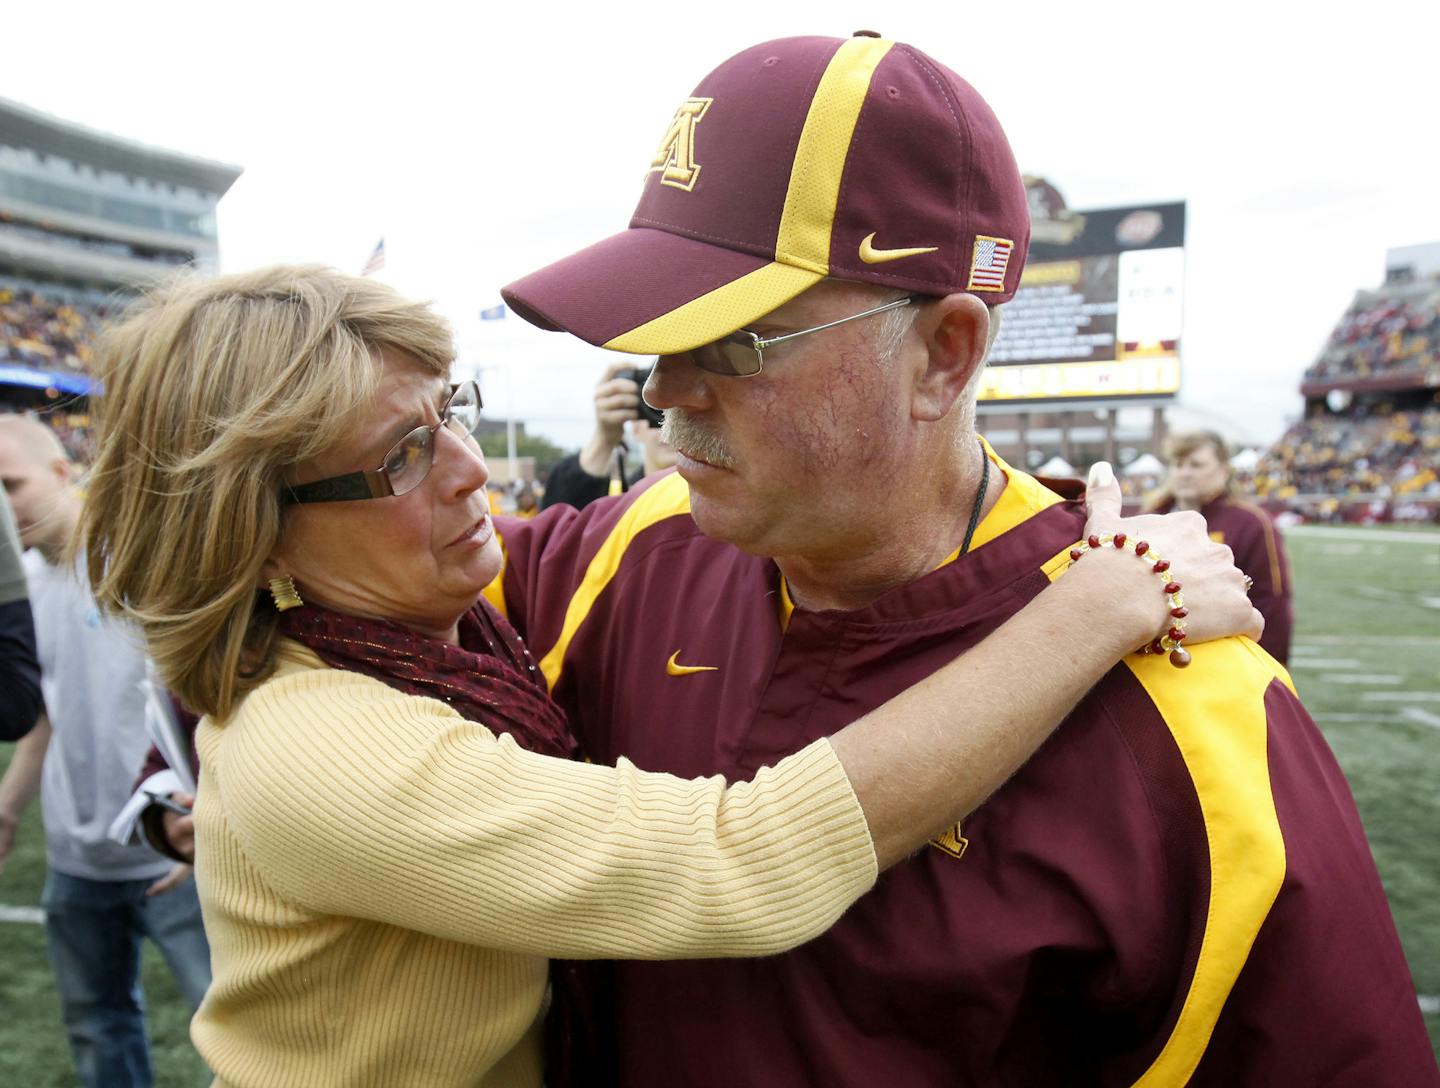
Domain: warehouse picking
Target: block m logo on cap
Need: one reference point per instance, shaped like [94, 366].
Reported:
[675, 157]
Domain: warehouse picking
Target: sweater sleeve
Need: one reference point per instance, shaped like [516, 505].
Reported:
[354, 799]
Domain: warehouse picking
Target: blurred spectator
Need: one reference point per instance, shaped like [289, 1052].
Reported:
[527, 503]
[100, 898]
[600, 469]
[19, 669]
[1200, 479]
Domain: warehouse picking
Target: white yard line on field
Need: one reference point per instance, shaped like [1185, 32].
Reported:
[29, 915]
[1401, 696]
[1390, 536]
[1364, 678]
[1315, 644]
[1424, 717]
[1326, 663]
[1430, 1004]
[1380, 593]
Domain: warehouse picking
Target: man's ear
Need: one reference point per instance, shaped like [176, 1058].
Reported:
[956, 331]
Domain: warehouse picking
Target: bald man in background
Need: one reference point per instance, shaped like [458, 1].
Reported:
[100, 898]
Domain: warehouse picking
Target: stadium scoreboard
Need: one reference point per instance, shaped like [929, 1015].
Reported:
[1099, 309]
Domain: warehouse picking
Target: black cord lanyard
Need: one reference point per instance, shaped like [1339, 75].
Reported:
[979, 501]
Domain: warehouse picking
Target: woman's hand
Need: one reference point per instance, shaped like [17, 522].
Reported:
[1214, 588]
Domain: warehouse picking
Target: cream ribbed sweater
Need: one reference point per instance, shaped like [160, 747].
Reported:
[383, 880]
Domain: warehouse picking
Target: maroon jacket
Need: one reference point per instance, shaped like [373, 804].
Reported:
[1177, 881]
[1248, 532]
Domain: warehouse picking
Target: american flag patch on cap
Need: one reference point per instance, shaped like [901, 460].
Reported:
[988, 265]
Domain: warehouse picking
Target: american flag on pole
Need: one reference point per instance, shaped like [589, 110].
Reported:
[376, 261]
[988, 265]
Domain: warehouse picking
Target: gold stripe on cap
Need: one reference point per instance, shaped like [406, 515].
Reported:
[716, 313]
[802, 246]
[819, 165]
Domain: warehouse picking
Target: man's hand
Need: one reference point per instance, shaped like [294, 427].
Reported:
[617, 401]
[180, 830]
[171, 880]
[21, 782]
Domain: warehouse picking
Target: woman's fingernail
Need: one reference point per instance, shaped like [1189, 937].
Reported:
[1101, 474]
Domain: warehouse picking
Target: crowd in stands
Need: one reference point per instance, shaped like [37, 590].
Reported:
[1393, 455]
[1382, 335]
[47, 332]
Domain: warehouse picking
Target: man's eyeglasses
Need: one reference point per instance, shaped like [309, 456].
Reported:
[407, 463]
[742, 354]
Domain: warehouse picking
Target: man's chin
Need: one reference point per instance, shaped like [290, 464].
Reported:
[725, 520]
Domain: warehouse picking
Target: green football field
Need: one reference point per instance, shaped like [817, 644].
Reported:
[1366, 662]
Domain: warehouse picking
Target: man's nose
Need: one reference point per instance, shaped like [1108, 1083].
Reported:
[676, 382]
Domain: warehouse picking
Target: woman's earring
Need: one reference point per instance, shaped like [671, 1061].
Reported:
[284, 593]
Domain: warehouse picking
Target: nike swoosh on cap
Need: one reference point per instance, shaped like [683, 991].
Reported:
[870, 255]
[674, 669]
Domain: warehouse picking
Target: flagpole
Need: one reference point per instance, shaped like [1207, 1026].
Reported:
[510, 426]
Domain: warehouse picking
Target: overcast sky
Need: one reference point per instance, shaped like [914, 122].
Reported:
[481, 142]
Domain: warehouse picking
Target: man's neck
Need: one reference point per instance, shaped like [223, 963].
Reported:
[66, 520]
[1196, 502]
[919, 535]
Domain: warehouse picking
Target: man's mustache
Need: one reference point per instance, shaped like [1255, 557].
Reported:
[695, 439]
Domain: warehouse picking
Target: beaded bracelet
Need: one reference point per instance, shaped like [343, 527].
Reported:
[1170, 640]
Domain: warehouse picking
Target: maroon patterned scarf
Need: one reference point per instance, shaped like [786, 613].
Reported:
[489, 678]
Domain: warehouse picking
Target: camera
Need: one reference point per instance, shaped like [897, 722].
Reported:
[652, 416]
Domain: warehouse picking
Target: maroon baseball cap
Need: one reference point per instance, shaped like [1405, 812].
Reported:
[859, 159]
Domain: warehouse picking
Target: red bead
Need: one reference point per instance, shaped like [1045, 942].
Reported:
[1162, 566]
[1179, 613]
[1177, 633]
[1179, 657]
[1172, 588]
[1156, 647]
[1119, 540]
[1094, 541]
[1141, 547]
[1076, 553]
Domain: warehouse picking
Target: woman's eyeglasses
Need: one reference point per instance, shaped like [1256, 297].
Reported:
[407, 463]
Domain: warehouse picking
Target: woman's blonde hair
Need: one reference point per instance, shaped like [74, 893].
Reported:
[214, 389]
[1181, 445]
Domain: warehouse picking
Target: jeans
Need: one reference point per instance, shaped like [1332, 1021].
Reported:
[94, 929]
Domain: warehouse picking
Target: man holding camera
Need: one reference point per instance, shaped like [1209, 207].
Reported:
[601, 468]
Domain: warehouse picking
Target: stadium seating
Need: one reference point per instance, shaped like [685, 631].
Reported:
[45, 332]
[1390, 455]
[1383, 334]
